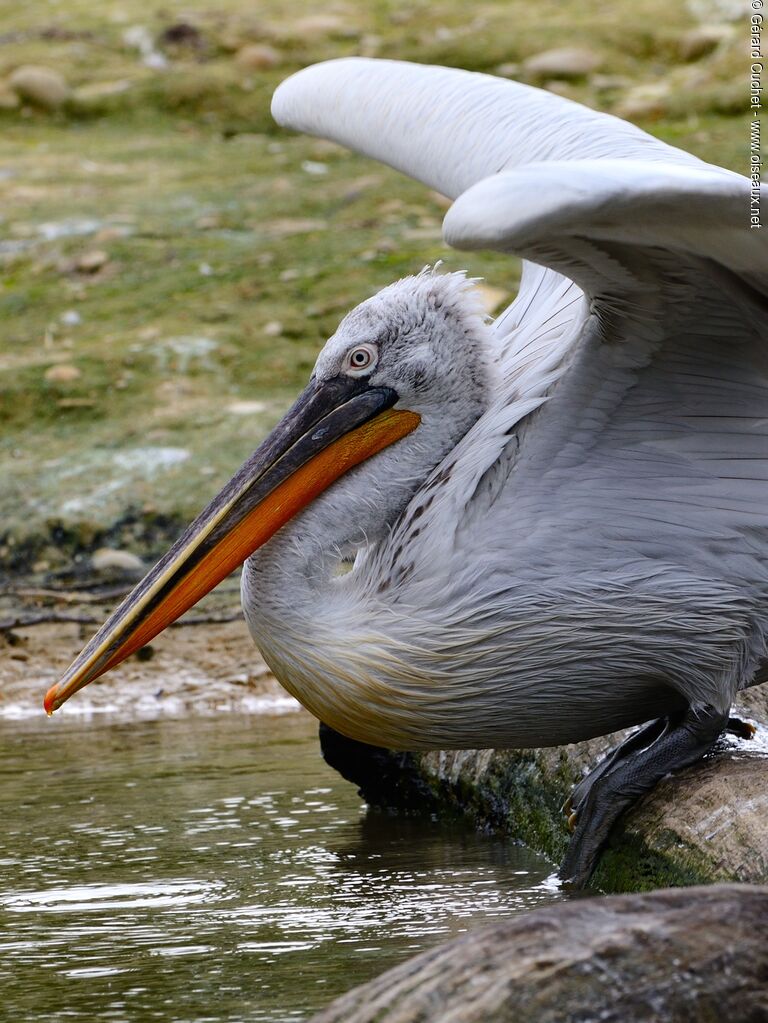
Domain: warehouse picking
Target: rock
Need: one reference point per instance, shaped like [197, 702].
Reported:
[180, 36]
[693, 956]
[708, 823]
[647, 101]
[246, 408]
[96, 94]
[42, 86]
[9, 100]
[509, 69]
[92, 261]
[258, 57]
[108, 559]
[64, 373]
[698, 42]
[564, 62]
[314, 26]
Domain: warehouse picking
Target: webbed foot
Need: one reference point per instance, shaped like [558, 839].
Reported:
[628, 772]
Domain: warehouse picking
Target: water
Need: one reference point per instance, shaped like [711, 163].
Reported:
[215, 869]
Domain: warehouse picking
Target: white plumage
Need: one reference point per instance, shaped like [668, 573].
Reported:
[599, 537]
[567, 533]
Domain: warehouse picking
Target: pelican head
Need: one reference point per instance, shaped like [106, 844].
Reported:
[407, 370]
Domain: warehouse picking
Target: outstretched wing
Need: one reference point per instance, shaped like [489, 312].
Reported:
[452, 129]
[656, 437]
[636, 406]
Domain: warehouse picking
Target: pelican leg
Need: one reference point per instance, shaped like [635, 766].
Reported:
[679, 744]
[639, 739]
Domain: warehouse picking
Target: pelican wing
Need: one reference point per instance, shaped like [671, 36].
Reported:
[451, 128]
[571, 215]
[654, 439]
[632, 427]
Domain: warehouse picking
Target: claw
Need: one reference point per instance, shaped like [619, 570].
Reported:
[572, 818]
[742, 729]
[567, 806]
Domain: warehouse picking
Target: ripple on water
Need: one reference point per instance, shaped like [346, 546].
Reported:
[101, 897]
[216, 869]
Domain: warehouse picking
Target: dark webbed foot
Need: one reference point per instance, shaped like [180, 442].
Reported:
[628, 772]
[639, 739]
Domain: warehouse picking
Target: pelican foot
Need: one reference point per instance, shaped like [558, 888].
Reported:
[631, 770]
[741, 729]
[639, 739]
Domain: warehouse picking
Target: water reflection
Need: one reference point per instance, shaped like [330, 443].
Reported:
[215, 869]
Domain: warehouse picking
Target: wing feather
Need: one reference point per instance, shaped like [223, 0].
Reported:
[631, 428]
[451, 128]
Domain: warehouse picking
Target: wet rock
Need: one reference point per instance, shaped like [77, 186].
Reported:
[42, 86]
[682, 956]
[109, 559]
[258, 57]
[564, 62]
[708, 823]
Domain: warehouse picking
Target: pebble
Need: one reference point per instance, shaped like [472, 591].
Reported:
[92, 261]
[700, 41]
[9, 100]
[43, 86]
[563, 62]
[246, 408]
[648, 101]
[64, 373]
[258, 57]
[94, 92]
[314, 25]
[108, 558]
[314, 168]
[509, 69]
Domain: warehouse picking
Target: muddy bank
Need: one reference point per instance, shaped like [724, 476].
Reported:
[202, 669]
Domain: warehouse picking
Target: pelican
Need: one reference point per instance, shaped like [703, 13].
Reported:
[558, 520]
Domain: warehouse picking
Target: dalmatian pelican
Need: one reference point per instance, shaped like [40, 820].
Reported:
[559, 520]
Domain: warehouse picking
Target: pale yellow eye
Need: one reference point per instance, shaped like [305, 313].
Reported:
[362, 358]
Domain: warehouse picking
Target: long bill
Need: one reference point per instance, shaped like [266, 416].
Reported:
[333, 426]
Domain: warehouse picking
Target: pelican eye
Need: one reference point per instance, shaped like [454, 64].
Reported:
[361, 359]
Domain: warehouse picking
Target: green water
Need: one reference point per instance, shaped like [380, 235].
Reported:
[216, 869]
